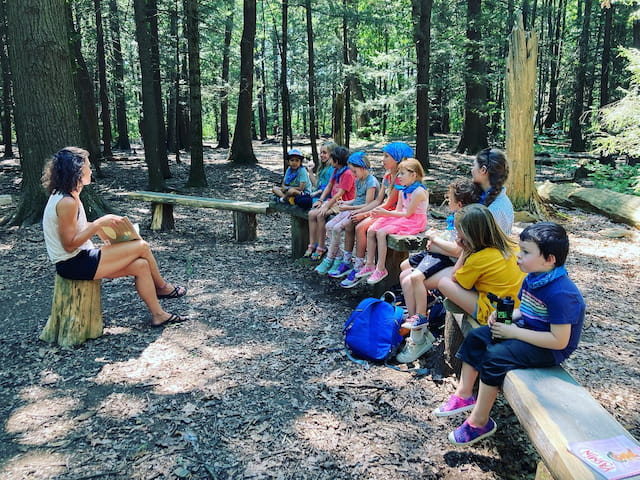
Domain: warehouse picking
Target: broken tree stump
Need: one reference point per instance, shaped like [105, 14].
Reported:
[76, 312]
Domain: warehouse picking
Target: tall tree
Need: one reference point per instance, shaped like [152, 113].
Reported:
[223, 134]
[421, 37]
[556, 26]
[284, 88]
[575, 127]
[241, 151]
[605, 70]
[122, 139]
[155, 153]
[197, 176]
[105, 112]
[7, 104]
[313, 129]
[474, 131]
[46, 117]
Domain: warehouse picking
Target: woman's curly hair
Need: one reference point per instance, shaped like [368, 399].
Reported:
[63, 172]
[495, 161]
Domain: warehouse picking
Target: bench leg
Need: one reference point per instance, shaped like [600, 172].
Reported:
[299, 236]
[76, 312]
[162, 217]
[542, 473]
[394, 259]
[244, 227]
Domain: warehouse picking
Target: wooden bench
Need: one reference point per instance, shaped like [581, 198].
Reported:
[551, 406]
[398, 249]
[76, 312]
[244, 213]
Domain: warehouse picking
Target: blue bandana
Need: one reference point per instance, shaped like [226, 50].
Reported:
[450, 223]
[483, 196]
[338, 174]
[406, 190]
[357, 159]
[537, 280]
[398, 151]
[291, 175]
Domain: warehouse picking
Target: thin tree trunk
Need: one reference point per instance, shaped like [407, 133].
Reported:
[575, 128]
[223, 133]
[313, 129]
[197, 176]
[122, 140]
[7, 104]
[606, 55]
[284, 90]
[346, 97]
[105, 112]
[421, 37]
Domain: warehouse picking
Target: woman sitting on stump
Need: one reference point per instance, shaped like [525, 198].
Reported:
[68, 235]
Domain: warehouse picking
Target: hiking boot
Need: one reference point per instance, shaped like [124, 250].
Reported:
[324, 266]
[455, 405]
[412, 350]
[467, 434]
[415, 322]
[342, 270]
[365, 271]
[352, 280]
[377, 277]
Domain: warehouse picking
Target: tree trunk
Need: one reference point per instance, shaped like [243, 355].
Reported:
[520, 86]
[241, 151]
[346, 96]
[421, 37]
[474, 131]
[313, 129]
[575, 128]
[122, 141]
[284, 90]
[197, 176]
[46, 116]
[154, 149]
[606, 55]
[223, 134]
[83, 83]
[7, 104]
[173, 102]
[105, 113]
[556, 56]
[338, 119]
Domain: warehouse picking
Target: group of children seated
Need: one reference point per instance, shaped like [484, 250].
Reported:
[471, 261]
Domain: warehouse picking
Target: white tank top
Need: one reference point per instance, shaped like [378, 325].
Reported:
[55, 250]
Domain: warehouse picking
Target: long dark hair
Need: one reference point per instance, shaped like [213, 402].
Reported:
[63, 172]
[495, 161]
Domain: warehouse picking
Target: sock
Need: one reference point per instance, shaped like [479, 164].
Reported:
[359, 263]
[347, 257]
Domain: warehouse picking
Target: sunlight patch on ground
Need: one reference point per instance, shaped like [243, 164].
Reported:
[34, 465]
[122, 406]
[625, 250]
[43, 420]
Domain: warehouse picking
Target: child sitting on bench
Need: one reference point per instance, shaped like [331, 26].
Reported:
[546, 330]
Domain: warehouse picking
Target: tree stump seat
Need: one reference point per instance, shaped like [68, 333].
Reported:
[76, 312]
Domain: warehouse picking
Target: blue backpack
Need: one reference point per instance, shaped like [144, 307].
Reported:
[372, 331]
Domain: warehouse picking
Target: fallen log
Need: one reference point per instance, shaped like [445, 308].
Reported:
[616, 206]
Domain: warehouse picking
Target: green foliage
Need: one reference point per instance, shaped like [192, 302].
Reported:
[623, 179]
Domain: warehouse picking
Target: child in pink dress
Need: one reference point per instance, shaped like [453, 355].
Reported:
[409, 218]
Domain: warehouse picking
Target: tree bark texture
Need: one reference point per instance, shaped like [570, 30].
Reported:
[223, 134]
[520, 87]
[284, 89]
[45, 103]
[421, 37]
[7, 104]
[197, 177]
[122, 140]
[313, 128]
[105, 112]
[242, 149]
[76, 312]
[575, 128]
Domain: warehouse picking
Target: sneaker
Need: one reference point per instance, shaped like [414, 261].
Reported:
[334, 266]
[412, 350]
[365, 271]
[455, 405]
[415, 322]
[342, 270]
[324, 266]
[377, 277]
[467, 434]
[352, 280]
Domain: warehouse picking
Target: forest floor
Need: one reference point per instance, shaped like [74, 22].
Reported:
[255, 384]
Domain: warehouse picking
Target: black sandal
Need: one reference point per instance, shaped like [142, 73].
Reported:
[173, 318]
[177, 292]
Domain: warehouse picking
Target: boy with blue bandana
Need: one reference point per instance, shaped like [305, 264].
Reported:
[295, 181]
[545, 331]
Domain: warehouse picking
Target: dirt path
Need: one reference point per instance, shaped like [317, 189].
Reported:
[255, 384]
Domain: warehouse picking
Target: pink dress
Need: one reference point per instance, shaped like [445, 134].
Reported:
[411, 225]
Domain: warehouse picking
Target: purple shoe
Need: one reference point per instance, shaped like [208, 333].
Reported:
[455, 405]
[467, 434]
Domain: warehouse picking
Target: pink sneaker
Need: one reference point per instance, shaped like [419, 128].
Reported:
[377, 276]
[455, 405]
[365, 271]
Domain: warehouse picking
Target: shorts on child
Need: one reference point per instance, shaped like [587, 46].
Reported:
[429, 263]
[494, 360]
[81, 267]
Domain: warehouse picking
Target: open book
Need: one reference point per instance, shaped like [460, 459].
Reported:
[124, 231]
[613, 458]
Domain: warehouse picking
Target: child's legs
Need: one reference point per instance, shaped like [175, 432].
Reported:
[381, 238]
[313, 226]
[405, 265]
[407, 291]
[465, 299]
[487, 395]
[371, 247]
[321, 232]
[431, 283]
[278, 192]
[468, 376]
[361, 236]
[349, 236]
[419, 292]
[335, 235]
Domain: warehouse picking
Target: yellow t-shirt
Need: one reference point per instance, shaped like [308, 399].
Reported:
[488, 271]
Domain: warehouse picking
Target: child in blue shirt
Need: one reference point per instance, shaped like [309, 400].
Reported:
[296, 179]
[546, 330]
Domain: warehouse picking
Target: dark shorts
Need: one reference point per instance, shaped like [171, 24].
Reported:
[494, 360]
[81, 267]
[429, 263]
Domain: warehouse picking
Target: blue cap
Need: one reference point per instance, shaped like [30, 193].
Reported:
[359, 159]
[398, 151]
[294, 152]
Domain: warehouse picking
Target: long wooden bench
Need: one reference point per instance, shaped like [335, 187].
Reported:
[398, 249]
[244, 213]
[552, 407]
